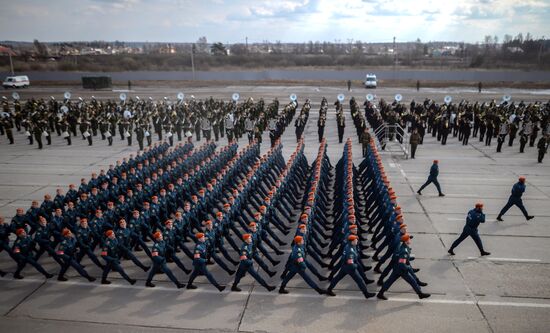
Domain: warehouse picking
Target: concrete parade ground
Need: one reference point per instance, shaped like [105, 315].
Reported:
[508, 291]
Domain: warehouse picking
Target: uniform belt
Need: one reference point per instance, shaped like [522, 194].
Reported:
[402, 261]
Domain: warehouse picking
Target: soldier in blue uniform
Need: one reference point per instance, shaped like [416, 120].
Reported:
[257, 245]
[199, 263]
[515, 199]
[246, 265]
[432, 178]
[169, 239]
[19, 221]
[474, 218]
[23, 251]
[111, 254]
[298, 266]
[350, 267]
[43, 238]
[5, 231]
[212, 244]
[85, 240]
[67, 251]
[402, 269]
[124, 235]
[159, 262]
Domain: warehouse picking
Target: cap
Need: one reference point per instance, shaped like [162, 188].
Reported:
[353, 226]
[405, 238]
[199, 235]
[351, 238]
[304, 216]
[302, 226]
[522, 179]
[207, 222]
[66, 232]
[403, 225]
[167, 222]
[479, 204]
[19, 231]
[157, 235]
[247, 236]
[252, 224]
[108, 233]
[226, 205]
[436, 161]
[298, 239]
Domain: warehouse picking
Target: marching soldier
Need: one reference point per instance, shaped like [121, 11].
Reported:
[351, 257]
[111, 254]
[321, 126]
[67, 252]
[474, 218]
[298, 266]
[542, 146]
[432, 178]
[199, 263]
[23, 251]
[246, 265]
[341, 123]
[403, 269]
[158, 253]
[229, 123]
[515, 199]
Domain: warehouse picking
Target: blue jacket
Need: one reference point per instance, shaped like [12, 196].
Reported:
[474, 218]
[517, 190]
[434, 171]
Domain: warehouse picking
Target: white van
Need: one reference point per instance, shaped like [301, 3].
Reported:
[21, 81]
[370, 81]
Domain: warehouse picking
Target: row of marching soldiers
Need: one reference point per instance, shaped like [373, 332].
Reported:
[143, 119]
[261, 189]
[361, 203]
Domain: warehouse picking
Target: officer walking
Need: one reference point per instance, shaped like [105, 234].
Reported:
[23, 251]
[158, 253]
[246, 265]
[298, 266]
[414, 141]
[515, 199]
[199, 263]
[402, 269]
[351, 265]
[111, 254]
[473, 219]
[542, 146]
[67, 252]
[341, 122]
[432, 178]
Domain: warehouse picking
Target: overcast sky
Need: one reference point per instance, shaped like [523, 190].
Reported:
[285, 20]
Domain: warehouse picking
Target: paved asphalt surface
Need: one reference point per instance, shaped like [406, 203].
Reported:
[291, 75]
[508, 291]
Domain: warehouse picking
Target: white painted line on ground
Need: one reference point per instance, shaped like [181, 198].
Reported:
[507, 259]
[392, 165]
[403, 173]
[520, 305]
[466, 195]
[292, 294]
[464, 219]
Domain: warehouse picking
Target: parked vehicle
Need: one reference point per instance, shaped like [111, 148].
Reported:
[370, 81]
[20, 81]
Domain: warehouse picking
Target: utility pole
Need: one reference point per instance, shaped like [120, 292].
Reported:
[246, 43]
[193, 60]
[11, 63]
[540, 49]
[394, 59]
